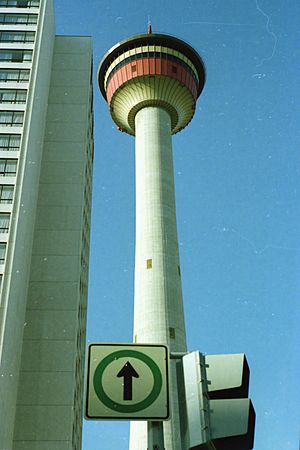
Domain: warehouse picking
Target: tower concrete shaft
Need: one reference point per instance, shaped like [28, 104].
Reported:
[158, 313]
[151, 83]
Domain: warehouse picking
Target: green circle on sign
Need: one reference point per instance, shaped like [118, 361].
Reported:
[103, 397]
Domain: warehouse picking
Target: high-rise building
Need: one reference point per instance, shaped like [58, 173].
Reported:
[46, 157]
[151, 83]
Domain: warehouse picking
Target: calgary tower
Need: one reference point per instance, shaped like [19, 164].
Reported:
[151, 83]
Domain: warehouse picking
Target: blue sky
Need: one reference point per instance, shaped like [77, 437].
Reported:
[237, 193]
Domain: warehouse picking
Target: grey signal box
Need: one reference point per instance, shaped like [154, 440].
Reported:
[219, 414]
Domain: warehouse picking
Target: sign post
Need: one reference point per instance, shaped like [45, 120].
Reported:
[155, 435]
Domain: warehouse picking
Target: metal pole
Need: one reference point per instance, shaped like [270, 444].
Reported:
[155, 436]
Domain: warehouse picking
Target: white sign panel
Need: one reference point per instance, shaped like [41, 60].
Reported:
[127, 381]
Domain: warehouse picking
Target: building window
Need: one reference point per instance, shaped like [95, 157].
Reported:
[10, 142]
[149, 263]
[11, 118]
[133, 68]
[20, 3]
[15, 55]
[16, 76]
[6, 193]
[8, 167]
[17, 36]
[172, 333]
[174, 69]
[15, 19]
[2, 252]
[4, 222]
[13, 96]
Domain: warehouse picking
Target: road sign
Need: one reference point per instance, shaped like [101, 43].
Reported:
[127, 381]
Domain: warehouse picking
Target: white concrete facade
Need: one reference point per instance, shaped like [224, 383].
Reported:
[44, 266]
[158, 313]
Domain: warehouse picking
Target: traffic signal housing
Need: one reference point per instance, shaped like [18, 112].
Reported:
[219, 414]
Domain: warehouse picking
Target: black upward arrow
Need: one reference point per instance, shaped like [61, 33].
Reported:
[127, 372]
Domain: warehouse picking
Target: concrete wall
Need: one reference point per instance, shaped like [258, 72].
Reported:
[49, 406]
[19, 247]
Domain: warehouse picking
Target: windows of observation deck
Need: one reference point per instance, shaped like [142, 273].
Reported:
[18, 19]
[10, 142]
[14, 75]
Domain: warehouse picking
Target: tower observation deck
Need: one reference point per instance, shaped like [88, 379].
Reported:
[151, 83]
